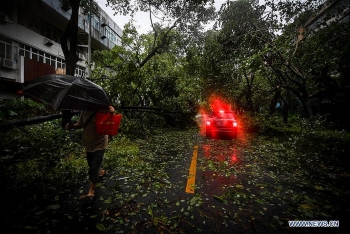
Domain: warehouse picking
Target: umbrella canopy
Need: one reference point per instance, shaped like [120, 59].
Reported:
[64, 92]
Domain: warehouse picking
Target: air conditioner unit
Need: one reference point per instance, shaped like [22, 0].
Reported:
[81, 56]
[48, 42]
[7, 63]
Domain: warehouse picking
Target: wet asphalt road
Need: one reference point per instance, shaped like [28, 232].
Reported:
[199, 212]
[234, 192]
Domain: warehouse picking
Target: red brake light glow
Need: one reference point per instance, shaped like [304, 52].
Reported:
[235, 124]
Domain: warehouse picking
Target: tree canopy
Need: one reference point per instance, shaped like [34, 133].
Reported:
[260, 56]
[253, 56]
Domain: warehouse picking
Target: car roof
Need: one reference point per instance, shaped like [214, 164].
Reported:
[222, 111]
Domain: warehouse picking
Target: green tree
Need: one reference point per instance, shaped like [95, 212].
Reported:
[327, 57]
[257, 43]
[229, 61]
[290, 73]
[148, 69]
[160, 85]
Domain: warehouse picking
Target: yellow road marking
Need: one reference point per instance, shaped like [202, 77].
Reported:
[191, 181]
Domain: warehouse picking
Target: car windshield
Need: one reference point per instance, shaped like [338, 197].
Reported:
[224, 115]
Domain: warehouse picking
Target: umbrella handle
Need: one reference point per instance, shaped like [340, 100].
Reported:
[66, 118]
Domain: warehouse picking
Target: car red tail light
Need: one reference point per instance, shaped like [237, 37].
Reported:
[235, 124]
[208, 123]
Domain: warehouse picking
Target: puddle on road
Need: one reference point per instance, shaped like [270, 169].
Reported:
[219, 159]
[218, 166]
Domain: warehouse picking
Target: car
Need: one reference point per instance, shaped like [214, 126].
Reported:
[221, 122]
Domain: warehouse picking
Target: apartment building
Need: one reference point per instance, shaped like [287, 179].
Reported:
[331, 11]
[333, 99]
[30, 32]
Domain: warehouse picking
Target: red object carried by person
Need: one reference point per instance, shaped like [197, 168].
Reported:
[107, 123]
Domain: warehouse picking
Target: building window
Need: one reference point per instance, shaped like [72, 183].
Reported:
[79, 71]
[35, 54]
[112, 36]
[48, 60]
[59, 63]
[5, 48]
[96, 22]
[41, 56]
[21, 52]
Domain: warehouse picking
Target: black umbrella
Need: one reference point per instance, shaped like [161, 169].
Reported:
[64, 92]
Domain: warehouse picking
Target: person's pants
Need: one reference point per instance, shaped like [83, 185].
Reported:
[94, 160]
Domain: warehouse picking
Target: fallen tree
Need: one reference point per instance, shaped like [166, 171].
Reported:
[34, 120]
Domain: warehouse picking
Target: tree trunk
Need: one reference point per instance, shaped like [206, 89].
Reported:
[69, 44]
[273, 102]
[248, 93]
[306, 106]
[69, 39]
[285, 107]
[285, 111]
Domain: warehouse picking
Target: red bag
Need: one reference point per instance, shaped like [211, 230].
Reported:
[107, 123]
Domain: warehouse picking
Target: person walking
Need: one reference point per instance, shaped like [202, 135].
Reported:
[95, 146]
